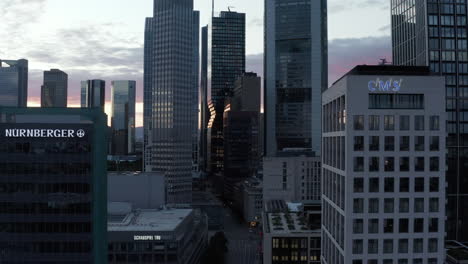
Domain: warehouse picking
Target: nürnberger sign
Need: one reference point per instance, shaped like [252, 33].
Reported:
[146, 238]
[43, 133]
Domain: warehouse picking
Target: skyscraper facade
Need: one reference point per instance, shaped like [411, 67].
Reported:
[434, 34]
[204, 111]
[54, 91]
[123, 117]
[295, 73]
[226, 62]
[53, 185]
[383, 163]
[14, 83]
[170, 89]
[93, 93]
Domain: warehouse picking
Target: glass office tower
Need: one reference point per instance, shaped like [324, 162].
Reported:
[14, 83]
[204, 111]
[123, 117]
[295, 65]
[93, 93]
[53, 186]
[226, 62]
[54, 91]
[170, 94]
[434, 33]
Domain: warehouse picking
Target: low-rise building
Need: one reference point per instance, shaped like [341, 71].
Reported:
[155, 236]
[253, 202]
[288, 237]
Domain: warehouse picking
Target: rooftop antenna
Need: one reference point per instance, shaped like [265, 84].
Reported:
[384, 61]
[229, 8]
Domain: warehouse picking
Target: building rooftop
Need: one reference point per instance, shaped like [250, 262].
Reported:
[165, 220]
[280, 223]
[388, 70]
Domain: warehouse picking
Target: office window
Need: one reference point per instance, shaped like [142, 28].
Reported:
[419, 164]
[404, 164]
[373, 184]
[388, 225]
[358, 122]
[404, 205]
[373, 246]
[374, 122]
[358, 226]
[434, 184]
[402, 246]
[404, 143]
[357, 246]
[358, 164]
[418, 225]
[396, 101]
[434, 205]
[434, 143]
[359, 143]
[403, 225]
[433, 245]
[434, 225]
[434, 164]
[403, 261]
[358, 185]
[389, 164]
[419, 184]
[372, 261]
[434, 123]
[417, 261]
[389, 185]
[373, 206]
[404, 184]
[404, 123]
[374, 143]
[419, 123]
[373, 226]
[419, 143]
[388, 246]
[389, 205]
[358, 206]
[418, 245]
[389, 143]
[374, 163]
[389, 122]
[419, 205]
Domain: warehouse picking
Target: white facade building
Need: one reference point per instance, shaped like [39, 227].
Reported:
[384, 167]
[293, 177]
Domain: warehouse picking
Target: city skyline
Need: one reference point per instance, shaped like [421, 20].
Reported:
[118, 54]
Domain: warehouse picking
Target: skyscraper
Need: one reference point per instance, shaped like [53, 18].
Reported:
[434, 34]
[170, 89]
[93, 93]
[54, 91]
[295, 73]
[204, 111]
[53, 185]
[383, 195]
[123, 117]
[14, 83]
[226, 62]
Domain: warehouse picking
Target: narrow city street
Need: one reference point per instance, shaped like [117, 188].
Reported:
[243, 245]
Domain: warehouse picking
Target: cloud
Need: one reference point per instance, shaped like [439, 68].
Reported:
[336, 6]
[344, 54]
[254, 63]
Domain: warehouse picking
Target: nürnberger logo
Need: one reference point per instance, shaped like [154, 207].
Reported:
[43, 133]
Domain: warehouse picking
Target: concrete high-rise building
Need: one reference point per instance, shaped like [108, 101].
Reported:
[123, 117]
[295, 73]
[226, 62]
[170, 94]
[247, 92]
[383, 160]
[434, 34]
[93, 93]
[53, 185]
[54, 91]
[14, 83]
